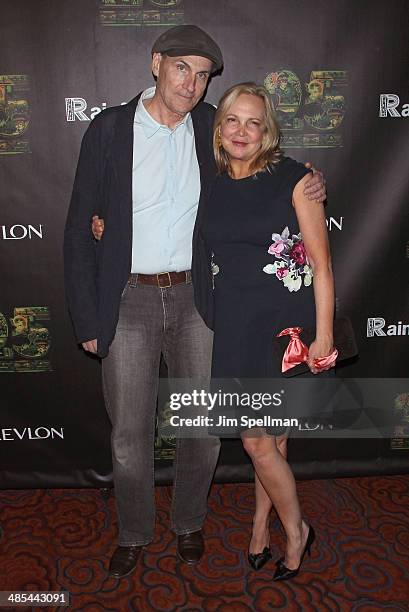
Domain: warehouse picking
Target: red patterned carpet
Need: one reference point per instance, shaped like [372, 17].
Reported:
[62, 540]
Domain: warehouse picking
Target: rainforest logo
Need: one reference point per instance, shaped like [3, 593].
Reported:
[389, 106]
[75, 109]
[377, 326]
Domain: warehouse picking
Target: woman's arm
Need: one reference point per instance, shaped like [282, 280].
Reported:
[311, 220]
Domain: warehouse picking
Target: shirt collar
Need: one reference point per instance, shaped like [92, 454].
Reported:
[149, 125]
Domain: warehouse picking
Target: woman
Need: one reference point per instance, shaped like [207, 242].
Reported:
[257, 194]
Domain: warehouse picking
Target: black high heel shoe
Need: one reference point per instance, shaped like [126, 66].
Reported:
[283, 572]
[257, 560]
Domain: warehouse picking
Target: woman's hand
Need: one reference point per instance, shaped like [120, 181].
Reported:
[97, 227]
[318, 349]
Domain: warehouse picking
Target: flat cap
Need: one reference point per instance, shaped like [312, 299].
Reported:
[189, 40]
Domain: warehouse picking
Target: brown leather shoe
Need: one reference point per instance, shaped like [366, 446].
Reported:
[124, 560]
[190, 547]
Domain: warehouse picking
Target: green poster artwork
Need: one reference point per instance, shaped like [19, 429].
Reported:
[14, 114]
[25, 340]
[141, 12]
[400, 439]
[309, 116]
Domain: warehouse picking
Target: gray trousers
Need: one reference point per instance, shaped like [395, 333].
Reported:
[152, 321]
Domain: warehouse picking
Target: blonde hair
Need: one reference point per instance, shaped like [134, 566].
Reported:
[270, 152]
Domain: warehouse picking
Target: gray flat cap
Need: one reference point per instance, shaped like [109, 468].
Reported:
[189, 40]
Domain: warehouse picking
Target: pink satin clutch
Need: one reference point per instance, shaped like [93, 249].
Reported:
[297, 352]
[290, 347]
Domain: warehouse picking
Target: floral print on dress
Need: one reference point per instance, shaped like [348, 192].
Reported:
[291, 266]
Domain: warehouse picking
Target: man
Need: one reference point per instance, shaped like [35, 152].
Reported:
[143, 167]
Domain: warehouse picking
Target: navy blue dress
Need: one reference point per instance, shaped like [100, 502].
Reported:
[250, 305]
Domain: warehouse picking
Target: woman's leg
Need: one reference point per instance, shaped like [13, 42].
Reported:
[260, 536]
[278, 481]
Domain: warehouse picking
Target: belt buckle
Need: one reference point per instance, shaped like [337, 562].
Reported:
[169, 280]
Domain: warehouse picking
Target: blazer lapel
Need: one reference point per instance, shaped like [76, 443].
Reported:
[204, 151]
[203, 128]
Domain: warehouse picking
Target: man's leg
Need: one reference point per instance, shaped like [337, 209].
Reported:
[188, 351]
[130, 380]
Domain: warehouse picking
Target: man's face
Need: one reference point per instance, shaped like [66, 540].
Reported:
[181, 81]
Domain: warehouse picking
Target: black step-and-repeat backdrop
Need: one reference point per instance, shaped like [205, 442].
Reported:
[338, 75]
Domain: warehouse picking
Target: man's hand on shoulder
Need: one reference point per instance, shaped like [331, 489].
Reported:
[90, 346]
[315, 187]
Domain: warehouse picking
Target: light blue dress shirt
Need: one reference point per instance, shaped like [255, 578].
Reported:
[165, 193]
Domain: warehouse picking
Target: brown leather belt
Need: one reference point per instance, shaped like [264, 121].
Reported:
[162, 280]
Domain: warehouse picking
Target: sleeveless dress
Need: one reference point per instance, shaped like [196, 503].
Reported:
[247, 225]
[252, 305]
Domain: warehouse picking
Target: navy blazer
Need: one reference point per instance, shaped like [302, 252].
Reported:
[96, 272]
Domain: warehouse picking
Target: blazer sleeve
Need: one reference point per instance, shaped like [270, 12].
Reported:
[80, 264]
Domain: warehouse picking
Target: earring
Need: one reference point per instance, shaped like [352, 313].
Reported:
[218, 139]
